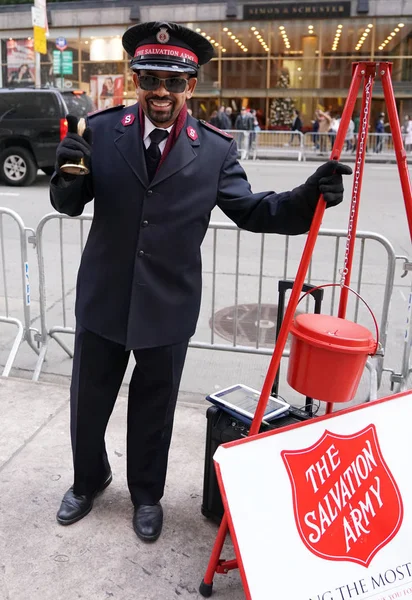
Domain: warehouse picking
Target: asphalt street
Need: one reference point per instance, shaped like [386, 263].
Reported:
[382, 212]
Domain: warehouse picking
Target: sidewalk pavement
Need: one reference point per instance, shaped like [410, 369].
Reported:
[99, 557]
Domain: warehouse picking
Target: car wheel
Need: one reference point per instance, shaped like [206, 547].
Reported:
[17, 166]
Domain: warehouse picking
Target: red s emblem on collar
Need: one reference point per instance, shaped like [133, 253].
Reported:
[192, 133]
[128, 119]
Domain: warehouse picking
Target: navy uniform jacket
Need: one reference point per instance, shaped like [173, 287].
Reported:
[139, 282]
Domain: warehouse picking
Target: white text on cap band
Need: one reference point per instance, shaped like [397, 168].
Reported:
[162, 50]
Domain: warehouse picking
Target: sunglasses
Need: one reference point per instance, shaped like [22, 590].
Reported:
[149, 83]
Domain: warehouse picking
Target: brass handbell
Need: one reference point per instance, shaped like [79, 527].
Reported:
[77, 168]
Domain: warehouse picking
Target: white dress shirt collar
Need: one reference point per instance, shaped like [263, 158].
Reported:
[148, 128]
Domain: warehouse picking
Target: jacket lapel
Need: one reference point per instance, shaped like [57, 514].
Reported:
[182, 154]
[128, 139]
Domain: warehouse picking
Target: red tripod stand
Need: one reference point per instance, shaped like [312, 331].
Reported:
[366, 72]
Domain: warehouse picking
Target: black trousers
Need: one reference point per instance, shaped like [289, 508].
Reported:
[99, 366]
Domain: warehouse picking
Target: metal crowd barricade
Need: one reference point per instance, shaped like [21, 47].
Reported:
[270, 144]
[282, 265]
[379, 145]
[66, 286]
[315, 143]
[268, 258]
[401, 380]
[19, 264]
[242, 140]
[294, 144]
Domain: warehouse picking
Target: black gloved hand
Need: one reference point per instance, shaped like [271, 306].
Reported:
[74, 147]
[327, 180]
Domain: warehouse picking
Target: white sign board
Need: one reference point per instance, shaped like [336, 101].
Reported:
[40, 6]
[323, 510]
[37, 17]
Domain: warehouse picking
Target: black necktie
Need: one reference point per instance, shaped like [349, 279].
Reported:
[153, 153]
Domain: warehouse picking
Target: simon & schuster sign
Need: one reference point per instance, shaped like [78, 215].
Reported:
[297, 10]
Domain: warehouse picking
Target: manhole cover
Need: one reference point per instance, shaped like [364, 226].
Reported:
[252, 321]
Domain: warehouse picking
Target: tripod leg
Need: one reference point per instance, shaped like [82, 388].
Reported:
[401, 157]
[206, 586]
[207, 583]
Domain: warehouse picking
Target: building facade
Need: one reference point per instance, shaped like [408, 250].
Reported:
[271, 56]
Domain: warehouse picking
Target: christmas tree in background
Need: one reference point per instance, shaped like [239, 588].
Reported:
[281, 109]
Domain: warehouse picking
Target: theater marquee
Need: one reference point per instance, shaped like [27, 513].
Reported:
[297, 10]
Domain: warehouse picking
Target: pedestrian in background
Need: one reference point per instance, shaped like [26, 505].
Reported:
[156, 173]
[296, 126]
[244, 121]
[315, 129]
[356, 121]
[349, 137]
[379, 130]
[333, 129]
[223, 120]
[214, 119]
[229, 114]
[407, 132]
[324, 119]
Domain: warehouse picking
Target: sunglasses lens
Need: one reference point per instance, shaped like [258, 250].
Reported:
[176, 84]
[149, 83]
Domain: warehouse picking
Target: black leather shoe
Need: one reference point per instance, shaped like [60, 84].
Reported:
[75, 507]
[148, 521]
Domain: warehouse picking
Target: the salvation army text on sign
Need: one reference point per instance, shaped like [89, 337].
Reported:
[331, 500]
[347, 504]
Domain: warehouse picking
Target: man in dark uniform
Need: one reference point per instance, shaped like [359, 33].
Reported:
[156, 173]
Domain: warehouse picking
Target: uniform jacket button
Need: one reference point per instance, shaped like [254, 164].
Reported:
[145, 223]
[149, 192]
[141, 253]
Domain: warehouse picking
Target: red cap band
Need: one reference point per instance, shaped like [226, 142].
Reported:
[163, 50]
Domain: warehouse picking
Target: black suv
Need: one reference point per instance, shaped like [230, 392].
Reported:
[32, 123]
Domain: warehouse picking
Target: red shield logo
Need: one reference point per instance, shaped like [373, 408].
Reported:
[346, 502]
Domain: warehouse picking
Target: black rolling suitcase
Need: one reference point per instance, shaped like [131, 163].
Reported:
[223, 428]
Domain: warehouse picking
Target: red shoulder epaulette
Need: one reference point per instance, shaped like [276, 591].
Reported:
[215, 129]
[102, 110]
